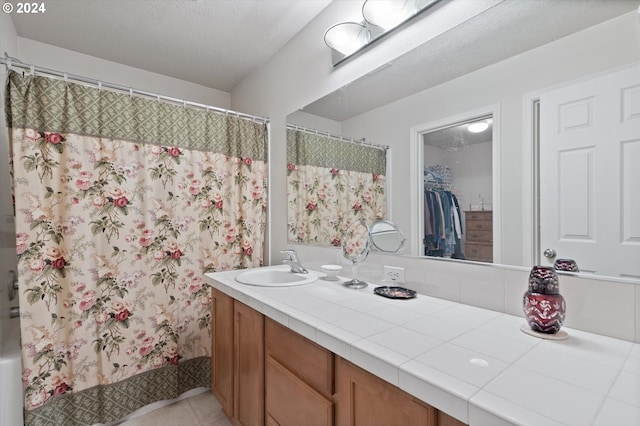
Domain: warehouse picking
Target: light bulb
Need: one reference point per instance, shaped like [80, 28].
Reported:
[478, 127]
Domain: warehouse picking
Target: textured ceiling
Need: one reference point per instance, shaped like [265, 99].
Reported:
[215, 43]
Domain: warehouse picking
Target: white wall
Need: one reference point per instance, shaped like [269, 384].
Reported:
[52, 57]
[8, 258]
[311, 121]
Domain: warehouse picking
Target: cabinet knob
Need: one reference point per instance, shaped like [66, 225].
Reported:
[549, 253]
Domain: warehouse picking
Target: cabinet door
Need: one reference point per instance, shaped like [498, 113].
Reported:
[364, 399]
[222, 350]
[248, 336]
[298, 379]
[304, 358]
[292, 402]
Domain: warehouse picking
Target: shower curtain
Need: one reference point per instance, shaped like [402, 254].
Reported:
[122, 204]
[330, 184]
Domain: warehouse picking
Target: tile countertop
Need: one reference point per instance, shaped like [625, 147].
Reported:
[474, 364]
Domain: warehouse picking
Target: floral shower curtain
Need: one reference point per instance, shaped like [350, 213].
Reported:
[122, 204]
[331, 183]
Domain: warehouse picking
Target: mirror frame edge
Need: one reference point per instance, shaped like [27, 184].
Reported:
[416, 151]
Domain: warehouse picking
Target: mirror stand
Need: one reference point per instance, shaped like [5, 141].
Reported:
[355, 283]
[355, 248]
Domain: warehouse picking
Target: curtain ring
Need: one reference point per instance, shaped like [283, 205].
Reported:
[66, 77]
[32, 68]
[99, 85]
[130, 93]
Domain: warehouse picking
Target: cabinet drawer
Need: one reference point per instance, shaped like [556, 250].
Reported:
[310, 362]
[479, 236]
[479, 225]
[291, 402]
[480, 252]
[480, 215]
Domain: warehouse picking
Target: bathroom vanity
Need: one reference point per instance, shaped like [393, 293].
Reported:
[265, 373]
[325, 354]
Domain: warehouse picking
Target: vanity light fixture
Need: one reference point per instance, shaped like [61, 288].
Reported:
[387, 14]
[347, 37]
[478, 127]
[380, 17]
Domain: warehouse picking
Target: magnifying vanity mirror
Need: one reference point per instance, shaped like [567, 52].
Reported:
[469, 70]
[386, 237]
[355, 248]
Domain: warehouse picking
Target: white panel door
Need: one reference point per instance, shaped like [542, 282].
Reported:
[590, 173]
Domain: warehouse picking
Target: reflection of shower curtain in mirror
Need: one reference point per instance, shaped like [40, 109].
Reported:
[442, 216]
[331, 183]
[122, 203]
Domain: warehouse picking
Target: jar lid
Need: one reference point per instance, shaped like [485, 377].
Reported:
[543, 280]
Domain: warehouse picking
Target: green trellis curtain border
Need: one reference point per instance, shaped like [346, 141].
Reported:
[309, 149]
[47, 104]
[112, 402]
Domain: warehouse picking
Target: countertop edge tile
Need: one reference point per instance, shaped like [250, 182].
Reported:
[487, 409]
[454, 402]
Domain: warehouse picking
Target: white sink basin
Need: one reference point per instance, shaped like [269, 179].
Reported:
[275, 276]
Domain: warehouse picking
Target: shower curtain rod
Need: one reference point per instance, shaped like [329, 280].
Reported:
[10, 63]
[342, 138]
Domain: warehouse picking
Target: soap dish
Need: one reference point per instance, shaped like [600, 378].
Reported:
[395, 292]
[331, 271]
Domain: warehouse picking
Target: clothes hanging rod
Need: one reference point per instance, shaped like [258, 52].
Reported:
[342, 138]
[11, 63]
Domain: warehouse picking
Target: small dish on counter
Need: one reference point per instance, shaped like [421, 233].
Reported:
[395, 292]
[332, 272]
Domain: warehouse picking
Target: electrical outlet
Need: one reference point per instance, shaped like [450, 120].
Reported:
[394, 274]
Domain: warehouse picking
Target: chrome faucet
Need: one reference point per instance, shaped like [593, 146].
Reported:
[293, 261]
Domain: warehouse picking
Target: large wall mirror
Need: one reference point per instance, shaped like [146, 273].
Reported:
[493, 68]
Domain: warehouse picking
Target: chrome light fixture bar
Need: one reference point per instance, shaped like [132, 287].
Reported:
[380, 17]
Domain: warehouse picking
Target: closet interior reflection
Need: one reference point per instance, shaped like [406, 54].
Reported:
[457, 177]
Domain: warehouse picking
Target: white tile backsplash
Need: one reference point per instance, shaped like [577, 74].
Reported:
[599, 306]
[637, 290]
[482, 286]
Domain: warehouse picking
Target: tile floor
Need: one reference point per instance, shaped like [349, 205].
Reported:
[202, 409]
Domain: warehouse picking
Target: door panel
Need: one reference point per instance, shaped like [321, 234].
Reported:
[589, 174]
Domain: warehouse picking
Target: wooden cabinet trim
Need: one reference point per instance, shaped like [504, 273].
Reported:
[222, 350]
[248, 385]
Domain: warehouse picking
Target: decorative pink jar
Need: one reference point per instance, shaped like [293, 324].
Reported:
[566, 265]
[544, 306]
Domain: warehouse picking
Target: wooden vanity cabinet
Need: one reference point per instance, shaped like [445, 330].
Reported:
[298, 379]
[265, 374]
[237, 349]
[364, 399]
